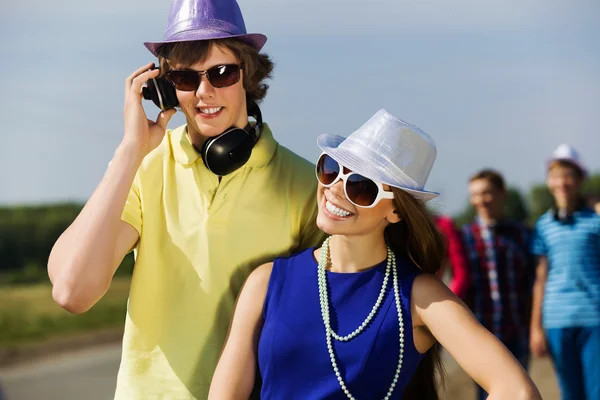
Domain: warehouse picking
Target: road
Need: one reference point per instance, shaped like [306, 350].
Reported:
[88, 374]
[91, 374]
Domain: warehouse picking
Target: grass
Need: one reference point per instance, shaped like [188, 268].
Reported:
[28, 314]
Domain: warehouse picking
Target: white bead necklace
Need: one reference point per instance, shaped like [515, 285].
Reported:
[329, 333]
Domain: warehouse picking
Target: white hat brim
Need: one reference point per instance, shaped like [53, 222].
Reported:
[576, 163]
[367, 167]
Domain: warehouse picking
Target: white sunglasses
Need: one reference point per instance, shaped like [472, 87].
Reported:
[359, 190]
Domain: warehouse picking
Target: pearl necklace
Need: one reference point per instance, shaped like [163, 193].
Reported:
[329, 333]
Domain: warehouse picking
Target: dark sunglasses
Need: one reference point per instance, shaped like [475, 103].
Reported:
[219, 76]
[360, 191]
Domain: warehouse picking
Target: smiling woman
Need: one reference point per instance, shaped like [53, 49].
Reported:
[367, 303]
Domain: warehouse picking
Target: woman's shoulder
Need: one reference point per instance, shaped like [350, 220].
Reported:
[428, 288]
[258, 280]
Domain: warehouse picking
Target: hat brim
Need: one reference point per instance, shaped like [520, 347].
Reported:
[367, 166]
[574, 163]
[256, 40]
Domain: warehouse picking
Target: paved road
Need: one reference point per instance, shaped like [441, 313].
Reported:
[460, 387]
[91, 375]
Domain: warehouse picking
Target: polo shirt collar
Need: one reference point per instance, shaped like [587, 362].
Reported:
[185, 153]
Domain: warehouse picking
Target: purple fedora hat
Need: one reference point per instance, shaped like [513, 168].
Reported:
[203, 20]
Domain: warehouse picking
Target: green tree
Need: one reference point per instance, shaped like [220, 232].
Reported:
[27, 234]
[515, 208]
[540, 200]
[591, 186]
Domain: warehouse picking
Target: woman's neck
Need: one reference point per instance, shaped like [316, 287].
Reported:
[356, 253]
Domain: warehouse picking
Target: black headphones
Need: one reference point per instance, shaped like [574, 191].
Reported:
[561, 216]
[221, 154]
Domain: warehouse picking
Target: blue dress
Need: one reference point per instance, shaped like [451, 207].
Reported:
[292, 352]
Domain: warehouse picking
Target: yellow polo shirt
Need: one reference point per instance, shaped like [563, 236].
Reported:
[199, 240]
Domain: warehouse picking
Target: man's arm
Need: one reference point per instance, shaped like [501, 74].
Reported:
[86, 256]
[537, 342]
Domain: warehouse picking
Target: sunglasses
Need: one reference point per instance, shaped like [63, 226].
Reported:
[360, 191]
[219, 76]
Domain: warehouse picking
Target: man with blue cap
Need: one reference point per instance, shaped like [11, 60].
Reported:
[201, 205]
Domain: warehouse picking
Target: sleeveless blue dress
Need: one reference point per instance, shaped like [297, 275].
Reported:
[292, 353]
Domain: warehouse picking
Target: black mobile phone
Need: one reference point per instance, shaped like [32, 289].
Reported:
[161, 92]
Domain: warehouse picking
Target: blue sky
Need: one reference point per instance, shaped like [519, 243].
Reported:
[496, 83]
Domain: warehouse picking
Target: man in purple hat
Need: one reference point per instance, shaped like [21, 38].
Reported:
[201, 205]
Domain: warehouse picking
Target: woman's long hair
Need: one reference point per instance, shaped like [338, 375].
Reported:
[417, 238]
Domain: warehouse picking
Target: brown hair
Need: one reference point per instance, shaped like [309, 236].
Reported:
[417, 238]
[567, 164]
[492, 176]
[257, 67]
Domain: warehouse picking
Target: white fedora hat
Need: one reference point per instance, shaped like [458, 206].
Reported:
[386, 150]
[565, 152]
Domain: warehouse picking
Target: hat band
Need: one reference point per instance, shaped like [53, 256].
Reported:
[395, 175]
[210, 25]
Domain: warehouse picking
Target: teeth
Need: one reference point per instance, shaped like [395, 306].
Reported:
[209, 111]
[336, 210]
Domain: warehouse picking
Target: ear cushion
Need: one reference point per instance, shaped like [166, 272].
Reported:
[227, 152]
[167, 91]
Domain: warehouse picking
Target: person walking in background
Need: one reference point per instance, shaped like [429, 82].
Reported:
[566, 303]
[455, 256]
[202, 205]
[501, 266]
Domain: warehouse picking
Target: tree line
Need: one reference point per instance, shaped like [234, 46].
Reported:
[527, 208]
[27, 233]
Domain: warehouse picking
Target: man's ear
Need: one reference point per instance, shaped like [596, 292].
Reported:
[394, 217]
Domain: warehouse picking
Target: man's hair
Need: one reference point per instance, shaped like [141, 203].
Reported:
[492, 176]
[567, 164]
[257, 67]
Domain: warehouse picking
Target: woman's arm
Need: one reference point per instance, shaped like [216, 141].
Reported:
[236, 371]
[537, 341]
[475, 349]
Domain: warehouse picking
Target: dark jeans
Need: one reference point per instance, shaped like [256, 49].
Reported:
[576, 356]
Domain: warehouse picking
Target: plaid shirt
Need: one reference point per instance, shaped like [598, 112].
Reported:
[502, 271]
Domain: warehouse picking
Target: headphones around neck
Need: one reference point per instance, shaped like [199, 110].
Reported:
[221, 154]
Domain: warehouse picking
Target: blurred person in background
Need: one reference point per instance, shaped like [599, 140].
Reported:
[201, 205]
[566, 304]
[501, 266]
[456, 261]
